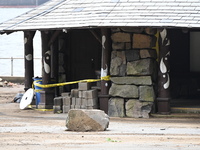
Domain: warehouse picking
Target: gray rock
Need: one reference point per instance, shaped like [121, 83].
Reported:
[147, 53]
[121, 37]
[137, 109]
[83, 120]
[118, 63]
[125, 91]
[116, 107]
[132, 55]
[140, 67]
[137, 80]
[118, 46]
[146, 93]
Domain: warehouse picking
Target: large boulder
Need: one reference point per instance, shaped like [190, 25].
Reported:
[83, 120]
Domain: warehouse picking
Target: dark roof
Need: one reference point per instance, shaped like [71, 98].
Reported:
[61, 14]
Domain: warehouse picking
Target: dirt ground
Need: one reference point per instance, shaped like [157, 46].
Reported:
[32, 129]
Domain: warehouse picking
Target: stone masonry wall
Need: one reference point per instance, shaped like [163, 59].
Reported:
[133, 72]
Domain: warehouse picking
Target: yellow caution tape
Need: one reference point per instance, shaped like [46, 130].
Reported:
[106, 78]
[30, 107]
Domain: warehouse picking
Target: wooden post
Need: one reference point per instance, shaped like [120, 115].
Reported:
[47, 95]
[28, 58]
[54, 60]
[163, 100]
[105, 67]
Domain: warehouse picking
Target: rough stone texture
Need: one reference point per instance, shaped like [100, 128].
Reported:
[127, 45]
[132, 55]
[131, 29]
[146, 93]
[146, 53]
[138, 109]
[151, 31]
[87, 120]
[125, 91]
[141, 80]
[121, 37]
[116, 107]
[140, 67]
[143, 41]
[118, 63]
[118, 46]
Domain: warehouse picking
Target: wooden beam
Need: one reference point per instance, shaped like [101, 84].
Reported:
[96, 36]
[54, 37]
[28, 58]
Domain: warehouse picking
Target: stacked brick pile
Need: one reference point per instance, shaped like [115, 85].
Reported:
[82, 98]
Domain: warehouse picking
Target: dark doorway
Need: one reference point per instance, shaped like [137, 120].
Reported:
[85, 56]
[185, 83]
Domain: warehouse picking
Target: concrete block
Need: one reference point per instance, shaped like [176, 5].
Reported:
[57, 109]
[92, 107]
[72, 107]
[77, 106]
[83, 86]
[91, 94]
[78, 101]
[58, 101]
[65, 94]
[65, 109]
[67, 101]
[80, 93]
[83, 107]
[92, 102]
[73, 101]
[84, 102]
[74, 93]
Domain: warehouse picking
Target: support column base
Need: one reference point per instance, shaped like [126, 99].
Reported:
[46, 99]
[103, 102]
[163, 105]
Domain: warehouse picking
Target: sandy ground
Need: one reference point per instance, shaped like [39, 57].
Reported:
[32, 129]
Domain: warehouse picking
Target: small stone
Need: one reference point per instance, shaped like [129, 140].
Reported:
[132, 55]
[83, 120]
[118, 46]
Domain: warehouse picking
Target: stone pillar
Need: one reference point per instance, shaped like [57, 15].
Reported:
[47, 95]
[105, 67]
[28, 58]
[163, 99]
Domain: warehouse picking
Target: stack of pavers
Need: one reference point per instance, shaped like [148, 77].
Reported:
[82, 98]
